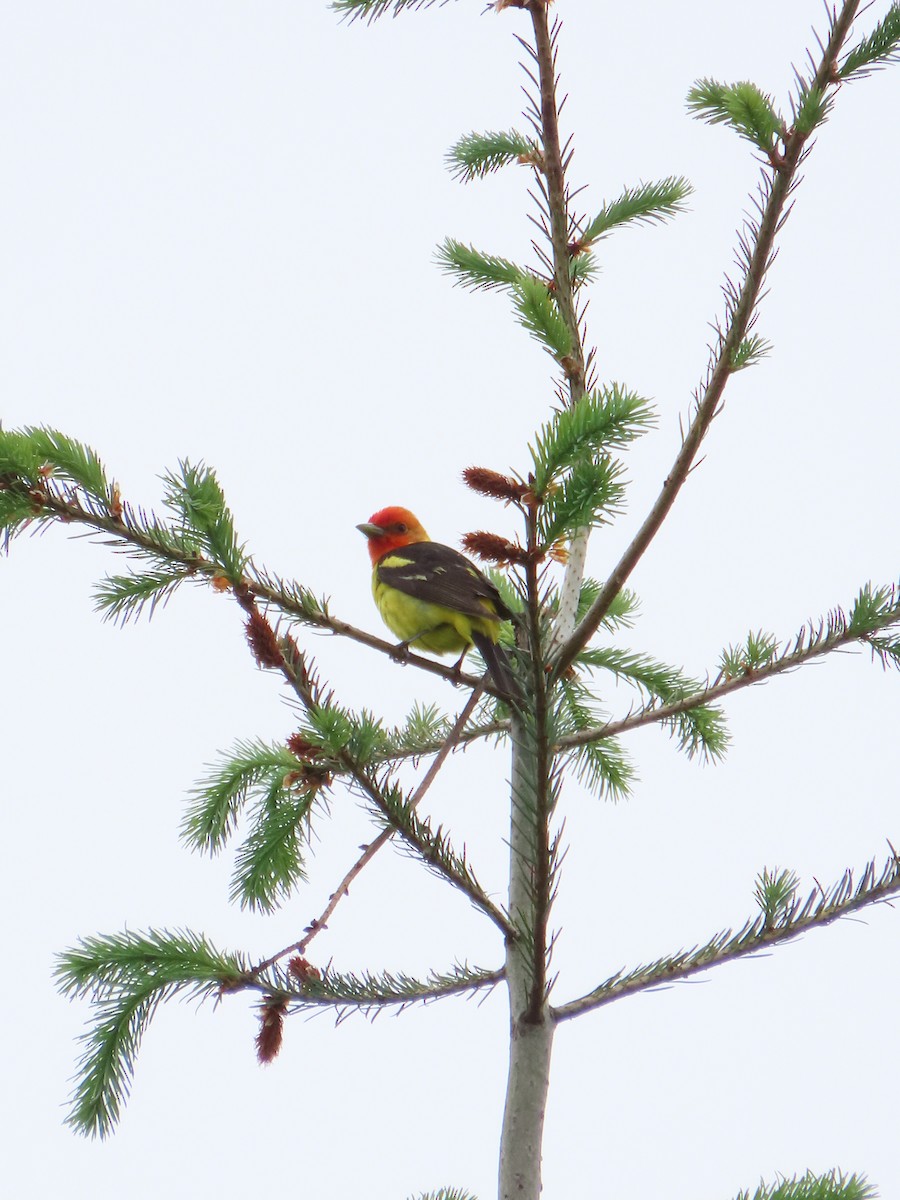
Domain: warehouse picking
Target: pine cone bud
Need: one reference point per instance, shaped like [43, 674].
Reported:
[262, 641]
[302, 970]
[304, 750]
[492, 548]
[271, 1028]
[492, 483]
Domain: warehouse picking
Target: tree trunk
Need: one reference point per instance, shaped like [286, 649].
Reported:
[531, 1026]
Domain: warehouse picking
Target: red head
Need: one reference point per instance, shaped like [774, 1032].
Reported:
[391, 528]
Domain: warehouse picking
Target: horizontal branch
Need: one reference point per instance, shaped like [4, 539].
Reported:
[818, 910]
[290, 601]
[335, 990]
[813, 641]
[126, 976]
[286, 603]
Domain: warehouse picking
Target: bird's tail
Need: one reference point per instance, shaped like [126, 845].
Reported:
[499, 668]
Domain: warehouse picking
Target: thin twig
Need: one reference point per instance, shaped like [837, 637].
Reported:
[321, 922]
[285, 655]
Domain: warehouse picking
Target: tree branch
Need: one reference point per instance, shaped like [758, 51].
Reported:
[124, 529]
[812, 642]
[777, 187]
[819, 909]
[334, 989]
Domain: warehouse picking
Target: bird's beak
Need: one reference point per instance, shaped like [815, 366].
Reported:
[370, 530]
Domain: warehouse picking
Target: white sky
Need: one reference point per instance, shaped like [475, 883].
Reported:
[217, 228]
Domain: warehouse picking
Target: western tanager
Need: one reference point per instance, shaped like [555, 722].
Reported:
[433, 598]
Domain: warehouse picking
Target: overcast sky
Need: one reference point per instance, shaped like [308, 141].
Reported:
[217, 224]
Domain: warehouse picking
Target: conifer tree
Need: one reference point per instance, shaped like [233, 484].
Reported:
[267, 802]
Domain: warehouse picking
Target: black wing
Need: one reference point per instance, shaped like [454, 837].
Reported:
[439, 574]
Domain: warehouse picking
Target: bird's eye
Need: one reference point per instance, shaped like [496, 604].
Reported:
[400, 527]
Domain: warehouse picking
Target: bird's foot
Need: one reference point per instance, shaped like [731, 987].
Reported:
[456, 674]
[400, 652]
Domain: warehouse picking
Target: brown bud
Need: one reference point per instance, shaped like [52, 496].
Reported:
[533, 158]
[297, 744]
[271, 1028]
[490, 547]
[570, 366]
[308, 779]
[492, 483]
[38, 497]
[262, 641]
[302, 970]
[115, 503]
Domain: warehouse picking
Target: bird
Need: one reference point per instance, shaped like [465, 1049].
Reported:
[433, 598]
